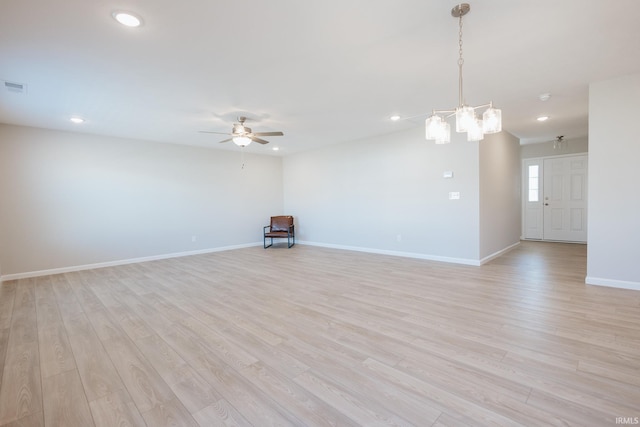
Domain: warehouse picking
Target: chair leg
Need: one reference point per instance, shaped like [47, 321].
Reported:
[264, 243]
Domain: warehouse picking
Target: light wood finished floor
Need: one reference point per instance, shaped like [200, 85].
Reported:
[309, 336]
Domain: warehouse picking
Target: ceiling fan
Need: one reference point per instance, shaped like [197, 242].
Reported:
[242, 135]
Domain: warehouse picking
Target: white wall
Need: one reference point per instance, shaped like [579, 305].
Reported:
[366, 193]
[614, 174]
[500, 198]
[70, 199]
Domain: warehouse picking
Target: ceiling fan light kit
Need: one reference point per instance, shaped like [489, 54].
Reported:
[436, 126]
[241, 141]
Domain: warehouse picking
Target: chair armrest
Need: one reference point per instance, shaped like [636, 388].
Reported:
[264, 229]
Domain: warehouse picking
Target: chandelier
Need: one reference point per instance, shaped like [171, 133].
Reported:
[467, 121]
[559, 143]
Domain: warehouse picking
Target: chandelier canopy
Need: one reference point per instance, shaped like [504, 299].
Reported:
[436, 125]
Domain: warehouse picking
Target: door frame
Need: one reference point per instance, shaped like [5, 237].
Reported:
[525, 192]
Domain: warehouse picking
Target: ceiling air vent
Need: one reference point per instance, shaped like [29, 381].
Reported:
[15, 87]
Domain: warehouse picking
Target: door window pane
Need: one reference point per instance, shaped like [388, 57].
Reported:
[534, 188]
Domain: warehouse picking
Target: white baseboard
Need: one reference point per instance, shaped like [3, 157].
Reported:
[497, 254]
[464, 261]
[622, 284]
[121, 262]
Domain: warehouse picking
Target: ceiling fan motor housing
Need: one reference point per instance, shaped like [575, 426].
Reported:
[239, 129]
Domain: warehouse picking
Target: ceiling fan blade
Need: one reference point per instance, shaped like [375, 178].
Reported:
[258, 140]
[226, 140]
[219, 133]
[268, 133]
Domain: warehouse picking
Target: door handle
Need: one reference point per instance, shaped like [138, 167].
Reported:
[546, 204]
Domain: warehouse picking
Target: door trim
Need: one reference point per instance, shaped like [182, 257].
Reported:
[525, 189]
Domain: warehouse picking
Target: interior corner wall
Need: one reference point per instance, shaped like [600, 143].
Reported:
[387, 194]
[614, 205]
[69, 199]
[500, 198]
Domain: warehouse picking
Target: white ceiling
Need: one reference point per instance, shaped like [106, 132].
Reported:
[322, 72]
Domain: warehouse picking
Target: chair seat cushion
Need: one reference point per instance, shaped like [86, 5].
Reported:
[276, 234]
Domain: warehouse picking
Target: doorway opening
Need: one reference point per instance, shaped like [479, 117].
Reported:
[555, 198]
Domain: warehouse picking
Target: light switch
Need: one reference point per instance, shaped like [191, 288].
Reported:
[447, 174]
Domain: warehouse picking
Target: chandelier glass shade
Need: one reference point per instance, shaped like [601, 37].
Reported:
[559, 143]
[437, 127]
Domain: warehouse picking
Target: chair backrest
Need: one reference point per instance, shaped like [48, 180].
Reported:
[281, 223]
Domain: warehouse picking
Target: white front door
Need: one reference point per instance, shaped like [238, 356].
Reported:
[565, 198]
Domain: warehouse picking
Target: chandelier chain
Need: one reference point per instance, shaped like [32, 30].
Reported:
[436, 126]
[460, 64]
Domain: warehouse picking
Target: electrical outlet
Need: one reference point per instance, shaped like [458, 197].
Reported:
[454, 195]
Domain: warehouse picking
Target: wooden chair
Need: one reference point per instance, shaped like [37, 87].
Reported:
[281, 227]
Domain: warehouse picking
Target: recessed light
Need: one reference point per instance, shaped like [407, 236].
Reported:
[77, 120]
[127, 18]
[395, 118]
[542, 118]
[276, 148]
[544, 96]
